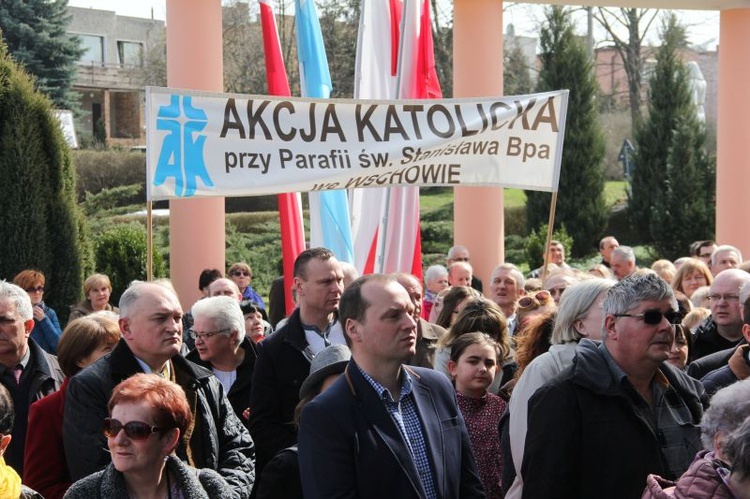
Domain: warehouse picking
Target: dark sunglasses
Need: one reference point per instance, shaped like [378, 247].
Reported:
[38, 289]
[135, 430]
[238, 273]
[654, 316]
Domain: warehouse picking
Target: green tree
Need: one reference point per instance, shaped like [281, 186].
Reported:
[683, 209]
[121, 255]
[40, 222]
[669, 103]
[580, 202]
[536, 241]
[35, 33]
[516, 77]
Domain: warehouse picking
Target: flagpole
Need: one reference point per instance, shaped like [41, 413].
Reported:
[553, 205]
[383, 229]
[149, 241]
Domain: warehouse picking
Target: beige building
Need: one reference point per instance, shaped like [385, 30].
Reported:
[111, 77]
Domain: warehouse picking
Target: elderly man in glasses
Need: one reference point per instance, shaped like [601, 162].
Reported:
[619, 412]
[151, 326]
[722, 330]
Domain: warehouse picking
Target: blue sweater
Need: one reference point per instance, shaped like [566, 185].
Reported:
[47, 331]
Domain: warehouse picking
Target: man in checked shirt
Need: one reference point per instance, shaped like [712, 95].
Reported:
[384, 429]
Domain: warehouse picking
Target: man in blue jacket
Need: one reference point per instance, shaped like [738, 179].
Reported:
[384, 429]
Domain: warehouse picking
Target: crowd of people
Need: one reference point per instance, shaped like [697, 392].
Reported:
[612, 381]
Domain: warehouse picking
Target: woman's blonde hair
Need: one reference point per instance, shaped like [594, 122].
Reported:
[94, 281]
[687, 268]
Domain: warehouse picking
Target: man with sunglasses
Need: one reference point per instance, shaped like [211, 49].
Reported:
[620, 411]
[151, 326]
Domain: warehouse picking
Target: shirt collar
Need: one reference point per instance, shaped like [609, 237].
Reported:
[26, 357]
[383, 393]
[658, 380]
[147, 369]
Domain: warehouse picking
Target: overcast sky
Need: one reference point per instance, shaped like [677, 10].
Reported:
[703, 26]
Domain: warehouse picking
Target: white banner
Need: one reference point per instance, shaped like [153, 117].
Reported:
[209, 144]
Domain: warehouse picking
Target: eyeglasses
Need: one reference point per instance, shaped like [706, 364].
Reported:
[718, 297]
[135, 430]
[540, 297]
[38, 289]
[460, 259]
[654, 316]
[204, 336]
[238, 273]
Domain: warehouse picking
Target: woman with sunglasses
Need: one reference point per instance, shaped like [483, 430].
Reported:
[579, 315]
[148, 416]
[83, 342]
[242, 275]
[46, 330]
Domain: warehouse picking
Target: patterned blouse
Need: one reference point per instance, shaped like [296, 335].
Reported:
[482, 416]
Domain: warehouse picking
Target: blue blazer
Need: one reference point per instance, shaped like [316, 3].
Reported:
[350, 447]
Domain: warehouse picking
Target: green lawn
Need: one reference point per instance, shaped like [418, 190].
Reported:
[614, 193]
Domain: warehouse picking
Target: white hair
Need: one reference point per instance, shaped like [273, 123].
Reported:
[723, 248]
[624, 252]
[16, 295]
[224, 311]
[435, 272]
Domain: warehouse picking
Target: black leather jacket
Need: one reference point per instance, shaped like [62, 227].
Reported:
[222, 442]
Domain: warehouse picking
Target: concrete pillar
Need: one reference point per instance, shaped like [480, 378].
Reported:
[106, 117]
[733, 131]
[194, 61]
[478, 72]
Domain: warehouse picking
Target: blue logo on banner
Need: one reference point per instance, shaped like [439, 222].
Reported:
[181, 154]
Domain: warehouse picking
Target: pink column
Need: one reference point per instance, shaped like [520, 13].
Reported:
[733, 131]
[194, 61]
[478, 72]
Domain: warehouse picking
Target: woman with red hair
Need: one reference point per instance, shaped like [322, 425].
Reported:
[46, 330]
[147, 417]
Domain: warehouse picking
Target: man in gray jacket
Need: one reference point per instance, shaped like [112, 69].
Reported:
[151, 325]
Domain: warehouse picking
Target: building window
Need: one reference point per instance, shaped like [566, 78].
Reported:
[130, 53]
[94, 49]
